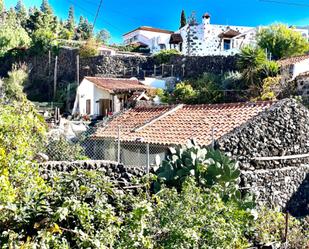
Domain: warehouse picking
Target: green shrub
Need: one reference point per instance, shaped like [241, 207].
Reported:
[89, 49]
[164, 56]
[270, 228]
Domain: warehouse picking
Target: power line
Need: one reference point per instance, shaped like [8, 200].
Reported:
[92, 14]
[286, 3]
[96, 15]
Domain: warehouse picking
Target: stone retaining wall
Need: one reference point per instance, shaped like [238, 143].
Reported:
[114, 170]
[281, 130]
[287, 188]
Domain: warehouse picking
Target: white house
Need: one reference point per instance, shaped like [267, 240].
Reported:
[212, 39]
[294, 66]
[153, 38]
[97, 96]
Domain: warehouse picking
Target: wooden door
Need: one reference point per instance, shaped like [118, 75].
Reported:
[88, 106]
[104, 107]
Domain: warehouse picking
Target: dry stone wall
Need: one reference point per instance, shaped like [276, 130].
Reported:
[287, 188]
[280, 131]
[114, 170]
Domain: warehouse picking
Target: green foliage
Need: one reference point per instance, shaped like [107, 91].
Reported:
[21, 13]
[183, 93]
[84, 29]
[12, 35]
[164, 56]
[282, 41]
[183, 19]
[103, 36]
[43, 40]
[13, 85]
[249, 63]
[255, 68]
[208, 167]
[270, 228]
[192, 218]
[70, 24]
[89, 49]
[60, 149]
[271, 88]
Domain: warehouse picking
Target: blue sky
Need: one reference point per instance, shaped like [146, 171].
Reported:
[120, 16]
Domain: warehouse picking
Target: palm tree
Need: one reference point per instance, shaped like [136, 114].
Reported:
[249, 62]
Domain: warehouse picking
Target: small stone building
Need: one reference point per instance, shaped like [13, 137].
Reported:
[270, 140]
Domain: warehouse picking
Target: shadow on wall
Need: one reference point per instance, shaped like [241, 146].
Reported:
[298, 205]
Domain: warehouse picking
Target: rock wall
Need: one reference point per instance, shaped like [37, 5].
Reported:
[281, 130]
[114, 170]
[41, 78]
[287, 188]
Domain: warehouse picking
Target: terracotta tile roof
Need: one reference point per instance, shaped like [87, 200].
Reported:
[175, 125]
[229, 33]
[114, 85]
[176, 39]
[146, 28]
[292, 60]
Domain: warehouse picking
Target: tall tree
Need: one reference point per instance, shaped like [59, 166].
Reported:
[21, 12]
[183, 19]
[84, 29]
[103, 36]
[282, 41]
[1, 6]
[46, 8]
[70, 22]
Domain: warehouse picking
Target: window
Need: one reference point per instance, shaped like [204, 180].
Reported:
[226, 44]
[162, 46]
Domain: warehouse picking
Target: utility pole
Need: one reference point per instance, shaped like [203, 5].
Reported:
[77, 69]
[55, 77]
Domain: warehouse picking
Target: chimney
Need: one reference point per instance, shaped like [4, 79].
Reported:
[206, 18]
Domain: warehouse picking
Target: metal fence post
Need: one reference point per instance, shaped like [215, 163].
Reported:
[147, 159]
[118, 151]
[213, 137]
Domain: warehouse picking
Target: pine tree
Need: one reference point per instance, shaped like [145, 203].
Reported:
[1, 6]
[21, 12]
[84, 29]
[183, 20]
[46, 8]
[70, 22]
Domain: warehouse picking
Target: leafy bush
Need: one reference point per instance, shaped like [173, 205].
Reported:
[183, 93]
[193, 218]
[164, 56]
[282, 41]
[270, 228]
[60, 149]
[89, 49]
[271, 88]
[13, 85]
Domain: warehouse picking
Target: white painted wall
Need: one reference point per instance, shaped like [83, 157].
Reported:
[300, 67]
[87, 90]
[152, 39]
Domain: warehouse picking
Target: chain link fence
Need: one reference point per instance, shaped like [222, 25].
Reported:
[127, 153]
